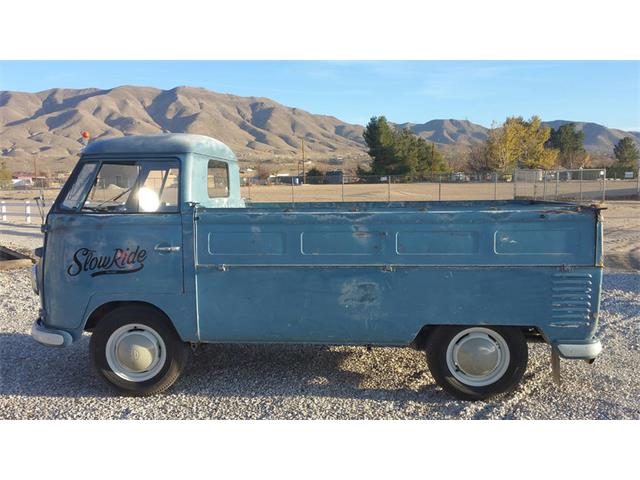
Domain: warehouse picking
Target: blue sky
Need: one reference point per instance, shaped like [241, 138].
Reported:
[605, 92]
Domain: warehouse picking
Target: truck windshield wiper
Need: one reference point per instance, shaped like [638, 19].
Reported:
[97, 207]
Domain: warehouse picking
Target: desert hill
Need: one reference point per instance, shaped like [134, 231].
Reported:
[49, 124]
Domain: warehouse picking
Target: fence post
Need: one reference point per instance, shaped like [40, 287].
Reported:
[544, 185]
[557, 183]
[4, 211]
[439, 187]
[388, 188]
[514, 180]
[27, 210]
[495, 185]
[604, 186]
[249, 185]
[638, 182]
[293, 197]
[342, 177]
[580, 185]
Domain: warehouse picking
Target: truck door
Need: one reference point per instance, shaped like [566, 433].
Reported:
[114, 233]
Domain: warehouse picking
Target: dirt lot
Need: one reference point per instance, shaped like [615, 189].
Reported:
[351, 192]
[622, 235]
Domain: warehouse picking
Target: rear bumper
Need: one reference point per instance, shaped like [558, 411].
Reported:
[50, 336]
[579, 351]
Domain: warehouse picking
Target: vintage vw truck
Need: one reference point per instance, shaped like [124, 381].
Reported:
[151, 248]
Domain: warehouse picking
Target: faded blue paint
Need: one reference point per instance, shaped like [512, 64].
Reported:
[377, 273]
[340, 273]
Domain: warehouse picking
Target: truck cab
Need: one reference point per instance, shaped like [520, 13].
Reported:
[150, 247]
[122, 226]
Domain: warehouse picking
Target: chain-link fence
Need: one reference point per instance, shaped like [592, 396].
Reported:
[584, 185]
[580, 185]
[18, 204]
[337, 187]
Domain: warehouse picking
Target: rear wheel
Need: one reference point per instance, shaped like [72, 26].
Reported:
[135, 350]
[475, 363]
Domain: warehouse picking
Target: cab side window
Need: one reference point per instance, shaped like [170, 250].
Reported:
[159, 189]
[217, 179]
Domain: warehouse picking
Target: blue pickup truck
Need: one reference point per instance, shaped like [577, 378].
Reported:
[152, 249]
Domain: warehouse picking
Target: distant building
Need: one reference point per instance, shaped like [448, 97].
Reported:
[22, 183]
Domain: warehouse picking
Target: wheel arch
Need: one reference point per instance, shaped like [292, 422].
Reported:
[99, 312]
[531, 333]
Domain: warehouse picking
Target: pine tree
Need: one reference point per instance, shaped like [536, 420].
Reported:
[315, 176]
[380, 140]
[400, 152]
[569, 142]
[627, 153]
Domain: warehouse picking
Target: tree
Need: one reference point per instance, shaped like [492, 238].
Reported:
[380, 140]
[415, 157]
[627, 153]
[400, 152]
[502, 148]
[479, 160]
[315, 176]
[5, 175]
[533, 151]
[429, 160]
[520, 143]
[569, 142]
[263, 172]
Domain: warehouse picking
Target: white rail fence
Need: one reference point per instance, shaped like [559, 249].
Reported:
[28, 210]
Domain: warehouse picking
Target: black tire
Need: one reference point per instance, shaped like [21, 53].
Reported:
[436, 350]
[176, 350]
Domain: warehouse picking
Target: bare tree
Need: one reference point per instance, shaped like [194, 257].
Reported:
[479, 159]
[262, 172]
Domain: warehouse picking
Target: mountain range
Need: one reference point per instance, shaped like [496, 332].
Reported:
[47, 126]
[598, 139]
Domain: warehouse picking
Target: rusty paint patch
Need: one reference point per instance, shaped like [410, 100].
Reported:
[360, 294]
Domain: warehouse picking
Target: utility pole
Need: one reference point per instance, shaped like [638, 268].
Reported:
[433, 147]
[304, 178]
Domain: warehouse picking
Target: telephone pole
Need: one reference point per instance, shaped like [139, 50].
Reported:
[304, 178]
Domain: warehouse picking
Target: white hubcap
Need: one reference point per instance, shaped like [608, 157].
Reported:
[478, 356]
[136, 352]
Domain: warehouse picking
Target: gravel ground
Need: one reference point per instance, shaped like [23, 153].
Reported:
[276, 382]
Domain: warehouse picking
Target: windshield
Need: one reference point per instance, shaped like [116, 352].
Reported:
[126, 187]
[78, 190]
[112, 187]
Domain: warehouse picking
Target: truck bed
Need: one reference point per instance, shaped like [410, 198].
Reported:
[402, 233]
[381, 271]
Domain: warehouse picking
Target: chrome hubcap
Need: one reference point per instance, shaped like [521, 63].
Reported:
[478, 356]
[135, 352]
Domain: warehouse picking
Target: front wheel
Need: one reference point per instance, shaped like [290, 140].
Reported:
[135, 350]
[475, 363]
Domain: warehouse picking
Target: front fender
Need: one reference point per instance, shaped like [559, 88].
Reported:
[178, 308]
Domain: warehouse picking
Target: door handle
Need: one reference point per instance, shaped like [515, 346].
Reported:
[164, 248]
